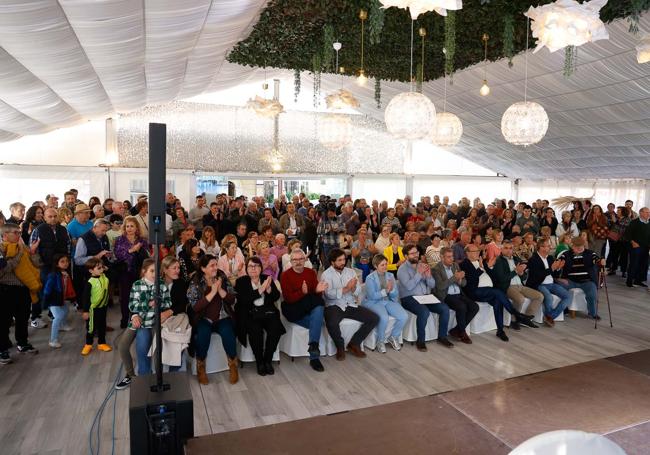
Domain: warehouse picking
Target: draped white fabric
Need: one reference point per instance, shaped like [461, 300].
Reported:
[69, 60]
[65, 61]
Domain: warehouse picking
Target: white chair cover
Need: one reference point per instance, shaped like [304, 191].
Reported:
[371, 340]
[295, 342]
[578, 301]
[484, 319]
[217, 360]
[246, 353]
[568, 442]
[348, 329]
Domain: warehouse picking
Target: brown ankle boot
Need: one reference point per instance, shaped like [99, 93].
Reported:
[200, 372]
[234, 374]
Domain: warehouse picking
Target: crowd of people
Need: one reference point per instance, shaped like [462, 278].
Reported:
[226, 265]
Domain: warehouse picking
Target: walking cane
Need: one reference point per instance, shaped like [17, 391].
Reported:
[603, 283]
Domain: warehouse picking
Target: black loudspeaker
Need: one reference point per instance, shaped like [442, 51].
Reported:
[160, 422]
[157, 182]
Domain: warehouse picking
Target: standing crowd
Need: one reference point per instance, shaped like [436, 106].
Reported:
[226, 266]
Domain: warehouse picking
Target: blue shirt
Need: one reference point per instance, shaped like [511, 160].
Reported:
[76, 229]
[410, 282]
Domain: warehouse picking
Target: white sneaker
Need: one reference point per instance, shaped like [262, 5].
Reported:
[381, 347]
[38, 323]
[394, 343]
[54, 344]
[65, 328]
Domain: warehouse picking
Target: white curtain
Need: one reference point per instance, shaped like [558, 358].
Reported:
[380, 188]
[457, 187]
[605, 191]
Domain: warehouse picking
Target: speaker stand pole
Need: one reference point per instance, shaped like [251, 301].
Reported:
[159, 386]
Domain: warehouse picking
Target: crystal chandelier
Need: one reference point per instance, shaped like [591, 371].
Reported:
[417, 7]
[567, 23]
[524, 123]
[334, 131]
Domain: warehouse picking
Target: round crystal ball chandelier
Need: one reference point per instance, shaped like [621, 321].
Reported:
[410, 115]
[524, 123]
[447, 130]
[334, 131]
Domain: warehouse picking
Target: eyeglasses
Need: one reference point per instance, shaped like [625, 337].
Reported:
[298, 260]
[472, 251]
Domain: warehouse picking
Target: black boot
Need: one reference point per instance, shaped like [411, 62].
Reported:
[313, 349]
[261, 368]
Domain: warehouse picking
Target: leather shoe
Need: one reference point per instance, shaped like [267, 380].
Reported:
[502, 335]
[340, 354]
[356, 351]
[465, 338]
[528, 323]
[421, 346]
[261, 369]
[514, 324]
[641, 283]
[269, 368]
[549, 321]
[317, 365]
[456, 333]
[445, 342]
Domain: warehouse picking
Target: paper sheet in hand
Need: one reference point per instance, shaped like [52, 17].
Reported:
[426, 299]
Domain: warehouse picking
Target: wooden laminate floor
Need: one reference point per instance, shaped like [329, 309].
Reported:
[48, 401]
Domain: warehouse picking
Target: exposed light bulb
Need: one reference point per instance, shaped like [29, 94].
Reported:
[362, 79]
[277, 167]
[485, 88]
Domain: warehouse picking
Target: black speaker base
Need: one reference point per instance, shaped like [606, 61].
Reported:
[160, 422]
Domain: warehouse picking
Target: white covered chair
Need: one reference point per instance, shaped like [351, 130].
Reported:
[371, 340]
[410, 333]
[578, 302]
[217, 360]
[484, 319]
[568, 442]
[295, 342]
[246, 353]
[348, 329]
[539, 316]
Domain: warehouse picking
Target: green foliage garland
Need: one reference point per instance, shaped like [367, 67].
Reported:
[327, 63]
[637, 7]
[290, 32]
[316, 70]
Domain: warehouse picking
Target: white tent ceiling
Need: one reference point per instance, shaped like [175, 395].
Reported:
[66, 61]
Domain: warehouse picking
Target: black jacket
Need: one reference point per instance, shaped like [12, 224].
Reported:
[501, 275]
[472, 276]
[53, 241]
[178, 296]
[245, 309]
[537, 272]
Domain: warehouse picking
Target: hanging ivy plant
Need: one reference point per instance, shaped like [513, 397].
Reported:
[378, 92]
[450, 42]
[637, 7]
[509, 38]
[570, 60]
[328, 51]
[375, 22]
[316, 63]
[418, 78]
[296, 85]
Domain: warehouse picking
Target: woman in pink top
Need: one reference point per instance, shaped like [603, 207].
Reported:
[270, 266]
[231, 263]
[493, 249]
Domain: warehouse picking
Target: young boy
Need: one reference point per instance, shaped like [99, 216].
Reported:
[116, 229]
[95, 301]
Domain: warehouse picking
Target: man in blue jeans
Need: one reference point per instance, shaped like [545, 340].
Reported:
[415, 279]
[303, 302]
[581, 271]
[541, 267]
